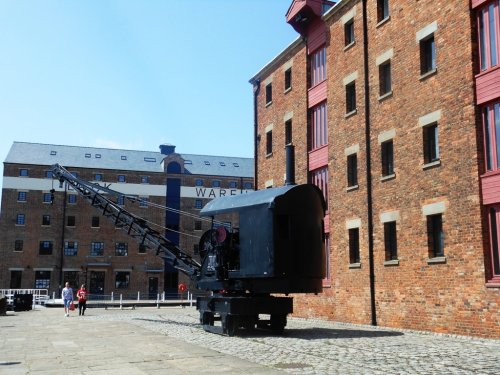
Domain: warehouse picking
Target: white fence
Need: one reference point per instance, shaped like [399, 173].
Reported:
[40, 296]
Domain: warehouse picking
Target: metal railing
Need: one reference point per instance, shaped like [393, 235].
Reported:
[131, 299]
[40, 296]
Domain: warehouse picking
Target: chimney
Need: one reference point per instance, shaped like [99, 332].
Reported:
[167, 149]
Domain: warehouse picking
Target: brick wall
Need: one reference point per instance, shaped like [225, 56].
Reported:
[447, 296]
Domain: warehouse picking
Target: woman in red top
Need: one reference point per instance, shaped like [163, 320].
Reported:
[82, 300]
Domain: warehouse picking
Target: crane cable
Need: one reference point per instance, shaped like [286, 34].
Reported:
[136, 199]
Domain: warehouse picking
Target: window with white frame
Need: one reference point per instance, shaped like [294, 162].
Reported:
[435, 235]
[42, 279]
[121, 249]
[319, 177]
[491, 129]
[494, 223]
[97, 249]
[318, 66]
[122, 279]
[382, 10]
[431, 143]
[70, 248]
[319, 125]
[488, 28]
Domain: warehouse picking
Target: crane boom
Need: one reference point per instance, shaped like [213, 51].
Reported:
[136, 226]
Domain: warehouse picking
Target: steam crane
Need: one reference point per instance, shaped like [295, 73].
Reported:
[249, 271]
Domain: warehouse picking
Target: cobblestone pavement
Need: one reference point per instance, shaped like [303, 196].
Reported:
[311, 346]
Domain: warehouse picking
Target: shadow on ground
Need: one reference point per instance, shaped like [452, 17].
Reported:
[302, 333]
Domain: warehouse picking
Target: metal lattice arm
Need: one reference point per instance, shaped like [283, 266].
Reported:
[136, 227]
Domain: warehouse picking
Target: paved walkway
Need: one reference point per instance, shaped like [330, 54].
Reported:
[170, 341]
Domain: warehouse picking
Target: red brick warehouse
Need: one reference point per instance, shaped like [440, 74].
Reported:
[394, 111]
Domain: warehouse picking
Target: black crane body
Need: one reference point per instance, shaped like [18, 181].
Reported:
[278, 249]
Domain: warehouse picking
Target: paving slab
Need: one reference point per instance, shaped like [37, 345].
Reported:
[170, 340]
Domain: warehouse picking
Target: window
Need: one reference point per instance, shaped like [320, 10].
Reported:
[18, 245]
[122, 279]
[121, 178]
[319, 126]
[142, 248]
[53, 153]
[15, 279]
[319, 177]
[236, 165]
[382, 10]
[21, 196]
[435, 235]
[42, 279]
[491, 124]
[222, 164]
[47, 198]
[23, 172]
[70, 248]
[124, 157]
[216, 183]
[49, 174]
[97, 156]
[95, 222]
[248, 185]
[121, 249]
[71, 221]
[427, 55]
[74, 174]
[207, 162]
[198, 182]
[431, 143]
[488, 35]
[269, 142]
[269, 93]
[20, 219]
[390, 241]
[143, 202]
[197, 225]
[45, 219]
[349, 32]
[72, 198]
[88, 156]
[350, 97]
[120, 200]
[144, 179]
[354, 245]
[384, 71]
[97, 249]
[387, 150]
[288, 132]
[326, 280]
[352, 170]
[198, 204]
[288, 79]
[494, 216]
[45, 248]
[318, 66]
[98, 177]
[233, 184]
[150, 160]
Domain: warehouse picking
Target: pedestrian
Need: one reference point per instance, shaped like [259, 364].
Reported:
[82, 299]
[67, 297]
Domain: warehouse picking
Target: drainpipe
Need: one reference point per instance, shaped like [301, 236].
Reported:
[369, 167]
[61, 259]
[256, 91]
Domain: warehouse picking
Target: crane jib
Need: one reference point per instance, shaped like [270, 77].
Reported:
[135, 225]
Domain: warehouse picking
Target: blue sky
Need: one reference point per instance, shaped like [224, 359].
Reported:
[134, 74]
